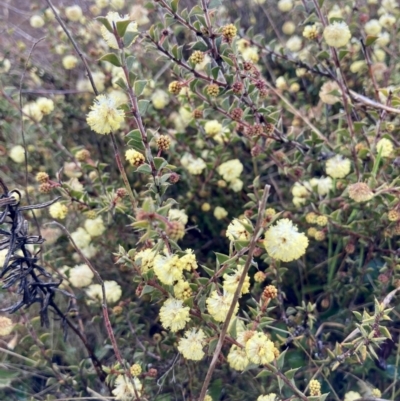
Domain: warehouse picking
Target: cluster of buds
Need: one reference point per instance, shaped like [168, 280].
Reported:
[197, 114]
[175, 230]
[270, 292]
[163, 142]
[212, 90]
[46, 185]
[197, 57]
[229, 32]
[82, 155]
[237, 114]
[175, 87]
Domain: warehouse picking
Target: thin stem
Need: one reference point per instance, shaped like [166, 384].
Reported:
[252, 247]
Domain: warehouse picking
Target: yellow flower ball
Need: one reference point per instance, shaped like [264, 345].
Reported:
[283, 241]
[337, 34]
[69, 62]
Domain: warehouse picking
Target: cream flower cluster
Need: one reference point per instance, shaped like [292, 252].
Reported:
[218, 305]
[105, 116]
[58, 211]
[284, 242]
[230, 172]
[195, 165]
[36, 110]
[83, 236]
[80, 276]
[160, 99]
[231, 281]
[178, 215]
[191, 346]
[302, 191]
[146, 259]
[169, 269]
[124, 389]
[237, 231]
[114, 17]
[338, 166]
[337, 34]
[174, 315]
[112, 289]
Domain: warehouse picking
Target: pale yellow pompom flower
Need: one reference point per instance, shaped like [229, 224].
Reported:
[284, 242]
[182, 290]
[294, 44]
[188, 261]
[236, 231]
[231, 281]
[352, 396]
[95, 227]
[36, 21]
[17, 154]
[160, 99]
[146, 259]
[6, 326]
[194, 165]
[288, 28]
[69, 62]
[174, 315]
[114, 17]
[218, 305]
[32, 111]
[81, 237]
[326, 95]
[385, 147]
[337, 34]
[104, 116]
[73, 13]
[360, 192]
[237, 358]
[230, 170]
[178, 215]
[268, 397]
[220, 213]
[58, 211]
[46, 106]
[112, 289]
[213, 128]
[124, 388]
[285, 5]
[260, 349]
[167, 269]
[373, 27]
[191, 346]
[80, 276]
[338, 166]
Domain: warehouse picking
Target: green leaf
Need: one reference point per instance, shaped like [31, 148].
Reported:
[160, 162]
[370, 40]
[228, 61]
[139, 86]
[111, 58]
[290, 373]
[221, 258]
[174, 5]
[281, 359]
[106, 23]
[122, 26]
[129, 37]
[134, 139]
[144, 168]
[343, 53]
[147, 289]
[121, 83]
[130, 61]
[143, 105]
[215, 72]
